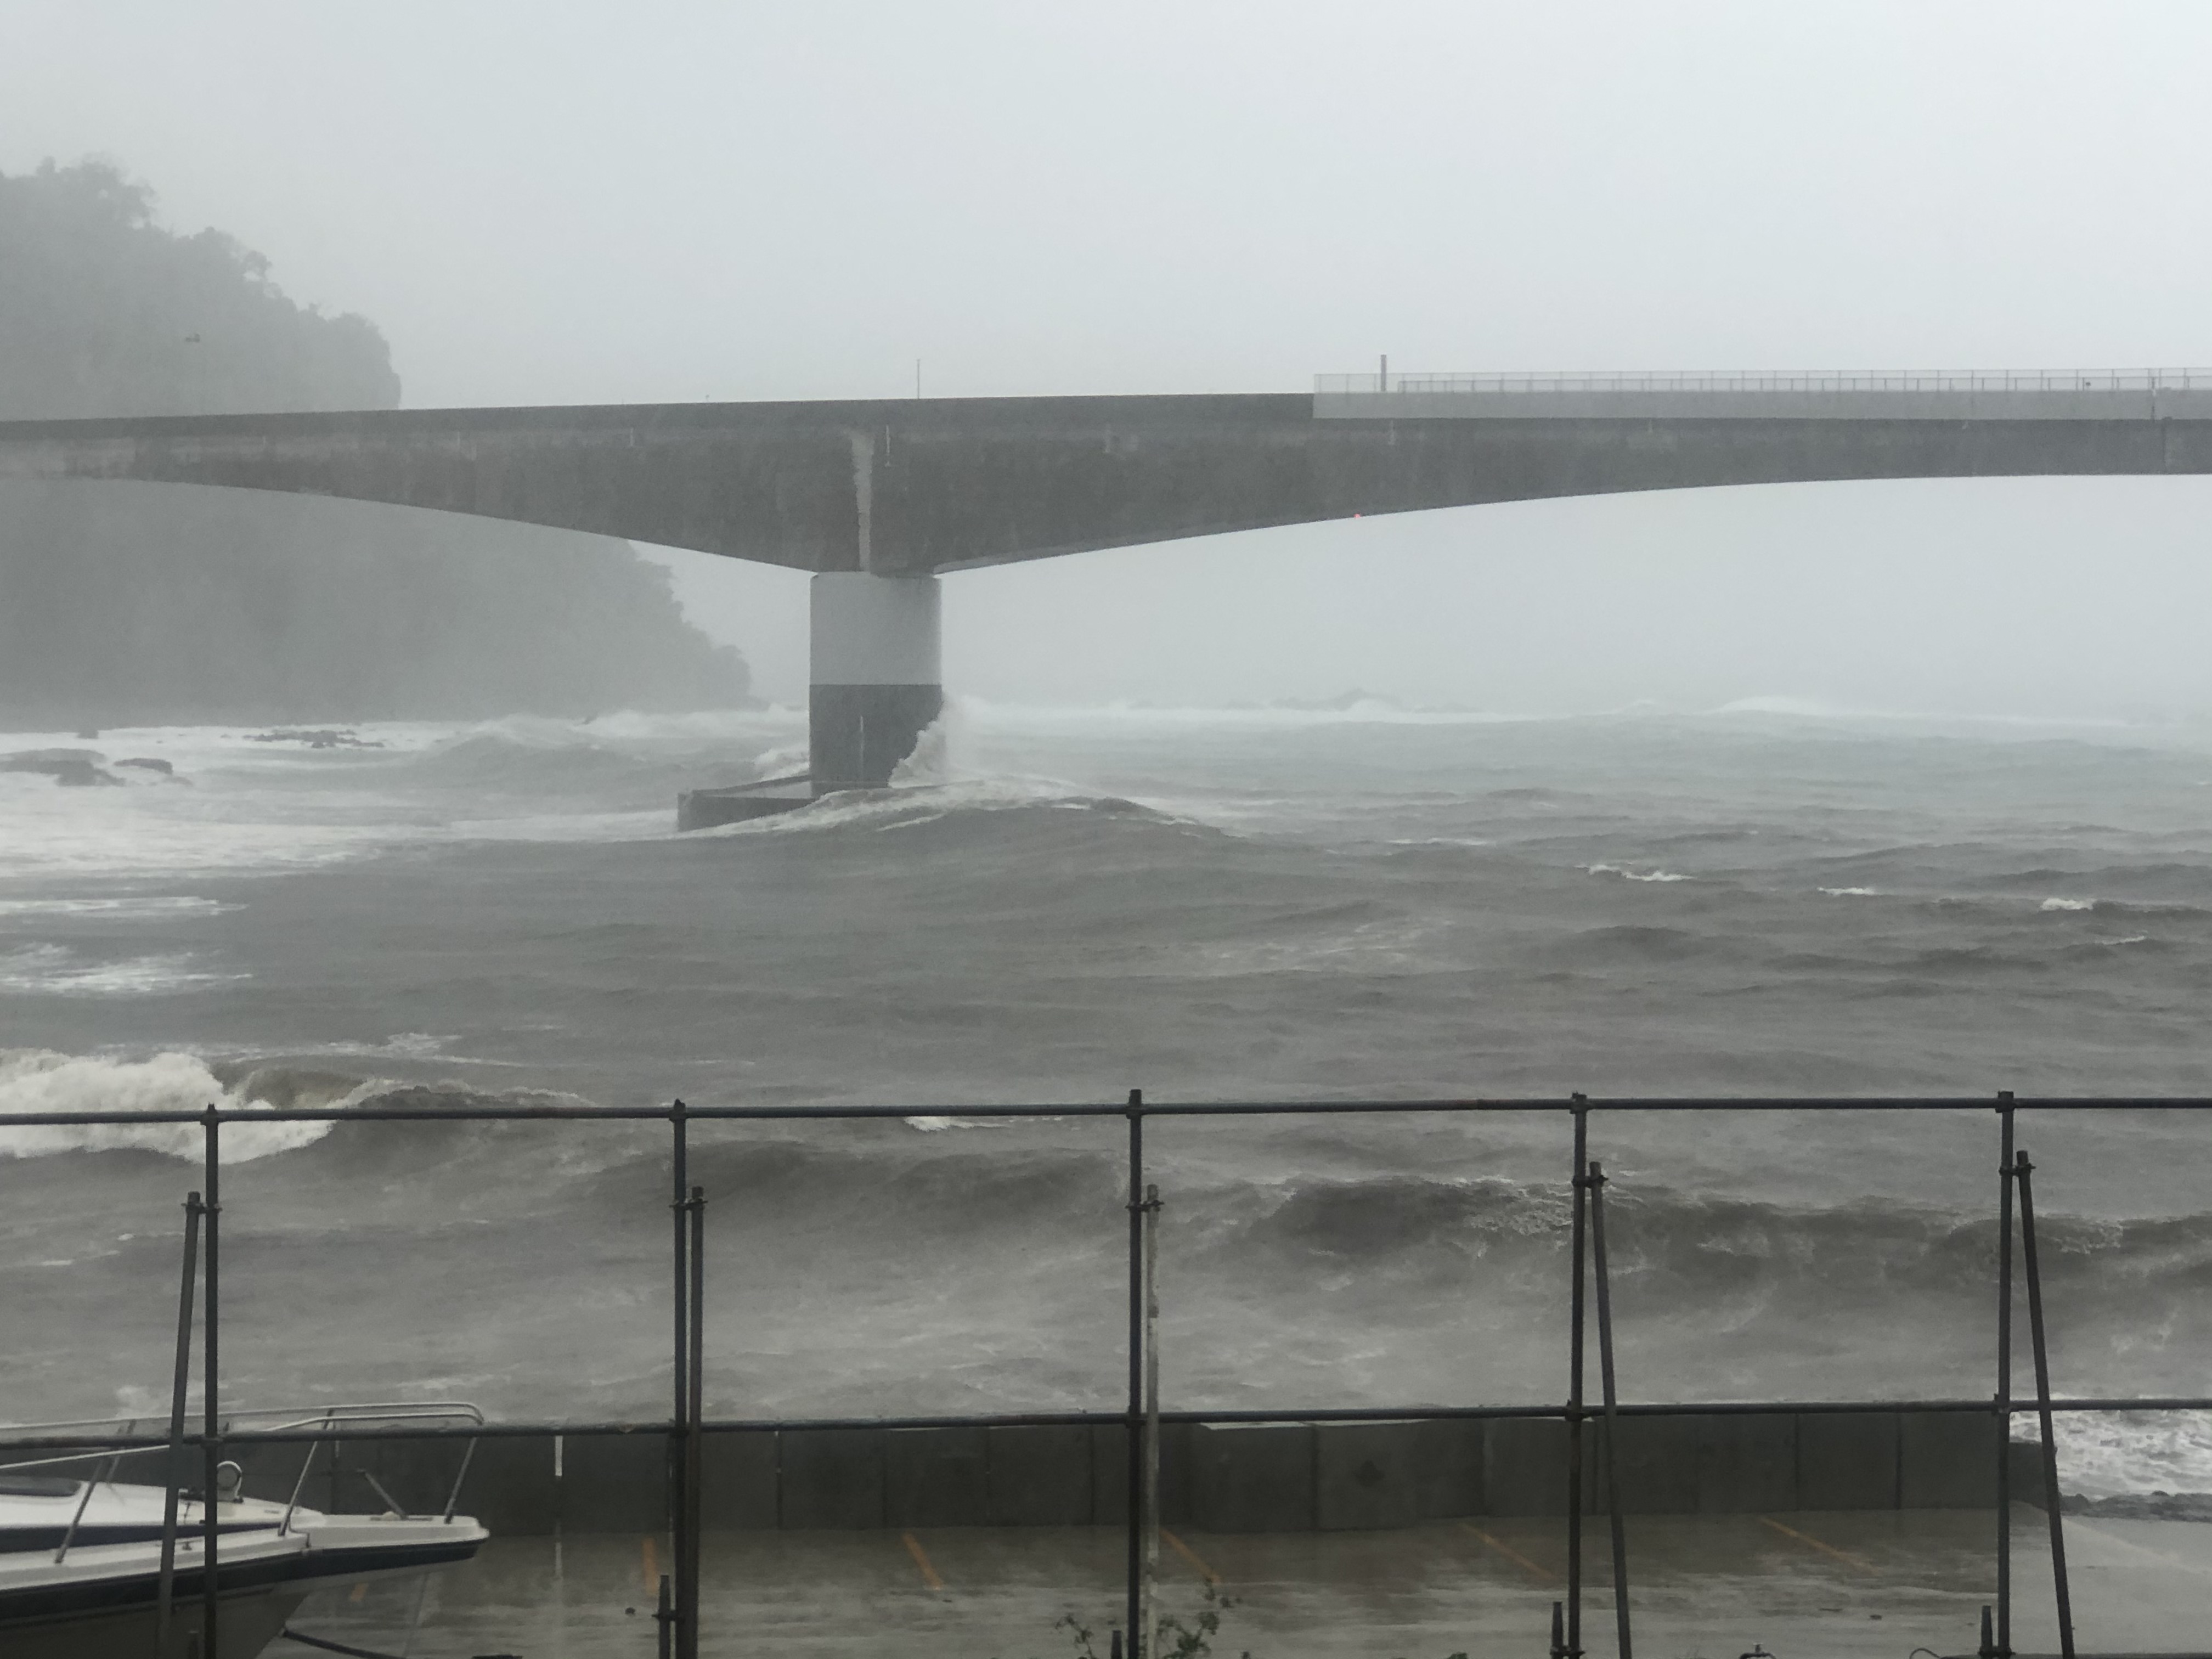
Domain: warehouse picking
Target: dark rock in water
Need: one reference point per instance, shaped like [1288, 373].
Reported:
[75, 769]
[324, 737]
[151, 765]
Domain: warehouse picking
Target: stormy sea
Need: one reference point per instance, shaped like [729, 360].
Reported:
[1061, 906]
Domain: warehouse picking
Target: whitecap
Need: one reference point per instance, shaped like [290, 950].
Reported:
[1626, 874]
[2108, 1453]
[146, 908]
[2068, 904]
[41, 1080]
[1852, 892]
[55, 970]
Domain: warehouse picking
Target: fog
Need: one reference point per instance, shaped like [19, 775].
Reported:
[560, 204]
[2063, 598]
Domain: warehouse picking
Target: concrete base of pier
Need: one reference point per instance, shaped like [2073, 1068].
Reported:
[1842, 1585]
[710, 809]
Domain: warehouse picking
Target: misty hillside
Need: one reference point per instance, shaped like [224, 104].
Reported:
[122, 604]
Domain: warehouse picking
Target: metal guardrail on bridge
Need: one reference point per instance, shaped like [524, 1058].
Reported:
[1590, 1428]
[1780, 379]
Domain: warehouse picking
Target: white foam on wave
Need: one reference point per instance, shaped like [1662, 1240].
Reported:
[147, 909]
[41, 1080]
[2066, 904]
[1372, 711]
[1626, 874]
[1852, 892]
[908, 807]
[2102, 1455]
[57, 970]
[1812, 709]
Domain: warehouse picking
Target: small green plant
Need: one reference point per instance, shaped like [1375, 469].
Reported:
[1194, 1638]
[1179, 1638]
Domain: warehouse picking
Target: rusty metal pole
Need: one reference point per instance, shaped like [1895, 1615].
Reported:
[2035, 1329]
[1573, 1646]
[211, 1460]
[165, 1600]
[1147, 1617]
[687, 1551]
[1134, 1578]
[1611, 1422]
[680, 1415]
[2001, 1649]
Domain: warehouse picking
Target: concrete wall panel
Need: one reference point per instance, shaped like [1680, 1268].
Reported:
[935, 1477]
[1451, 1467]
[614, 1483]
[1524, 1466]
[831, 1478]
[1256, 1477]
[1367, 1475]
[739, 1477]
[1746, 1465]
[1947, 1461]
[1039, 1477]
[1847, 1462]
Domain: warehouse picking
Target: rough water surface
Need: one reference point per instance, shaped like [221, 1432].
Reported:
[1203, 904]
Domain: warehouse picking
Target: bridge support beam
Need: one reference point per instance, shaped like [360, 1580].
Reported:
[876, 684]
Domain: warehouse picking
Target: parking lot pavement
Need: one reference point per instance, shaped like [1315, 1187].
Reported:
[1802, 1586]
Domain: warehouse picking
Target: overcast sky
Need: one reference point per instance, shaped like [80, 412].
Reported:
[550, 203]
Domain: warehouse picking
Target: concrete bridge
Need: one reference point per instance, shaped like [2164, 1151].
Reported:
[880, 499]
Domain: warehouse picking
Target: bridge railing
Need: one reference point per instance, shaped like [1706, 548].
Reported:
[1787, 379]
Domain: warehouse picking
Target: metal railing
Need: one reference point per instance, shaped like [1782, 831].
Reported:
[686, 1425]
[1781, 380]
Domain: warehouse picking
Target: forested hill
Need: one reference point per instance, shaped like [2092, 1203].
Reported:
[122, 604]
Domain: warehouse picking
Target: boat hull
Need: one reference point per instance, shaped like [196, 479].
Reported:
[249, 1621]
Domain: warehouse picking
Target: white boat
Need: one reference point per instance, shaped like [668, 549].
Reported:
[80, 1560]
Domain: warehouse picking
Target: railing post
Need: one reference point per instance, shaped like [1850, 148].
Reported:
[1147, 1624]
[1573, 1647]
[679, 1416]
[165, 1595]
[687, 1551]
[209, 1351]
[2035, 1330]
[1134, 1570]
[2001, 1649]
[1612, 1421]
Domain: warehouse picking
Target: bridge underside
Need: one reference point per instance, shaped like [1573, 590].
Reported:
[901, 491]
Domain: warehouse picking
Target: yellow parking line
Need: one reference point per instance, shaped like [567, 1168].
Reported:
[1543, 1574]
[1811, 1542]
[921, 1559]
[1192, 1556]
[648, 1562]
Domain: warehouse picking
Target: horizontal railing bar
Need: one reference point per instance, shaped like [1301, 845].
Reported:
[98, 1445]
[1163, 1108]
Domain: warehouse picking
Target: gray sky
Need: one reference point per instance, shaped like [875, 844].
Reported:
[550, 203]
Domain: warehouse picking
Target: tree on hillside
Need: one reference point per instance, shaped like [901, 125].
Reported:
[122, 604]
[103, 313]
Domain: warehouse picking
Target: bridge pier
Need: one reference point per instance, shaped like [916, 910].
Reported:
[876, 683]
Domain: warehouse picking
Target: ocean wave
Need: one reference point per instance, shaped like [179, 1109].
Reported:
[911, 806]
[41, 1080]
[148, 908]
[1627, 874]
[57, 970]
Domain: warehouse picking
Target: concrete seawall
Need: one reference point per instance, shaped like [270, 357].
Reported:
[1293, 1477]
